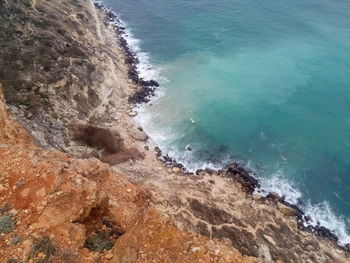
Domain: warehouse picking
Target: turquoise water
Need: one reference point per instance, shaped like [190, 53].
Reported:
[263, 82]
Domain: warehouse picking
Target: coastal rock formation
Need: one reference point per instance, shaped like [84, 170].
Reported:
[55, 208]
[60, 64]
[222, 207]
[67, 80]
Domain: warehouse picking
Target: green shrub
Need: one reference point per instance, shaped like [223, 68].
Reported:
[7, 223]
[100, 241]
[4, 208]
[13, 260]
[45, 246]
[15, 240]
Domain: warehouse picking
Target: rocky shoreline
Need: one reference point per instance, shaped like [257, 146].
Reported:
[138, 204]
[146, 87]
[234, 170]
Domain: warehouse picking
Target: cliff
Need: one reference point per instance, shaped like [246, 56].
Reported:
[55, 208]
[79, 181]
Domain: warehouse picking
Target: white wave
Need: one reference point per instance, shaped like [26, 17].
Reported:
[278, 184]
[145, 69]
[319, 213]
[323, 214]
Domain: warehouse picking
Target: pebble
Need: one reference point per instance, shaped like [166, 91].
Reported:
[109, 256]
[132, 113]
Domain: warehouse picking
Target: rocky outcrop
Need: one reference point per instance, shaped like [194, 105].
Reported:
[55, 208]
[11, 132]
[66, 81]
[60, 64]
[222, 207]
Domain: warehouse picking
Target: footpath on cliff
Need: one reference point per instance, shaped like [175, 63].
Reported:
[79, 179]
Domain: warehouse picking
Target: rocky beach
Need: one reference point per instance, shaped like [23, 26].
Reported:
[80, 181]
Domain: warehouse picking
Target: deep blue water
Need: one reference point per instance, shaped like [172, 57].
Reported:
[263, 82]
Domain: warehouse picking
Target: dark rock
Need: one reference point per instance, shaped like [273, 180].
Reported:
[299, 213]
[142, 96]
[274, 197]
[158, 151]
[239, 174]
[210, 171]
[189, 148]
[203, 229]
[326, 233]
[148, 83]
[199, 171]
[212, 215]
[242, 239]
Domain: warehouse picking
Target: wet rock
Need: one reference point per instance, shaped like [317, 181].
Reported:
[200, 171]
[239, 174]
[143, 95]
[210, 171]
[158, 152]
[324, 232]
[149, 83]
[274, 197]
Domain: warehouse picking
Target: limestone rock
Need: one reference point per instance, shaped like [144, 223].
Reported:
[139, 135]
[286, 210]
[132, 113]
[270, 239]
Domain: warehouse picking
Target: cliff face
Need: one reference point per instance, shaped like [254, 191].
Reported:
[11, 132]
[60, 65]
[55, 208]
[66, 81]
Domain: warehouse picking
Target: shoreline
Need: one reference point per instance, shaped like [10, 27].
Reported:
[80, 174]
[233, 170]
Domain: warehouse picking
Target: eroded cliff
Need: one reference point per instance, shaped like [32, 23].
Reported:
[67, 81]
[55, 208]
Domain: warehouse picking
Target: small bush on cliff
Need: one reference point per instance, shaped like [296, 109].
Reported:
[4, 208]
[15, 240]
[13, 260]
[7, 223]
[100, 241]
[43, 246]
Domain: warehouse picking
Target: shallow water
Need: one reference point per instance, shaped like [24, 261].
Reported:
[263, 82]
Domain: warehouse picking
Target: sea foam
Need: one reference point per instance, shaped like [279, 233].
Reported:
[320, 213]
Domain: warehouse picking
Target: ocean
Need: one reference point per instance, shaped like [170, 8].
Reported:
[263, 83]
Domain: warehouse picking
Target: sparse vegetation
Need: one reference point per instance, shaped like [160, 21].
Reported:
[42, 250]
[15, 240]
[4, 208]
[7, 223]
[13, 260]
[100, 241]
